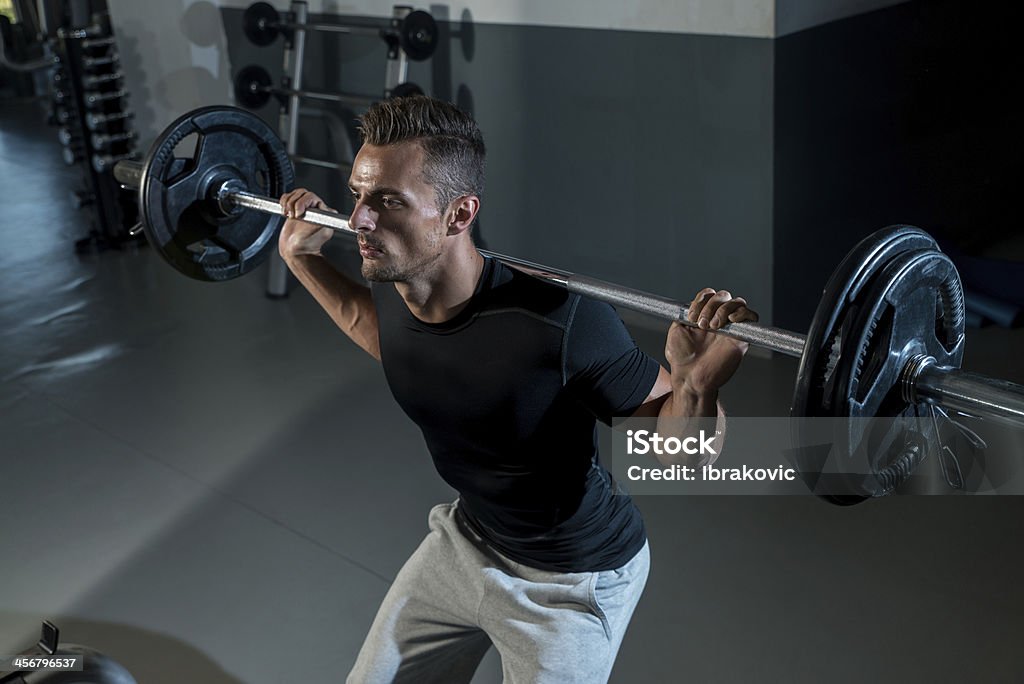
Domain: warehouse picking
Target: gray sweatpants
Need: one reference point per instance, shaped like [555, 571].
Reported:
[455, 596]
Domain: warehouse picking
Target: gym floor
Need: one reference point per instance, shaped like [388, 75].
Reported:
[211, 486]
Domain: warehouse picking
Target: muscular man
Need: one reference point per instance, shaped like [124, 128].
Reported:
[505, 375]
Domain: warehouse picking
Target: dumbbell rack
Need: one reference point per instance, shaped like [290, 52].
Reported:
[89, 103]
[396, 73]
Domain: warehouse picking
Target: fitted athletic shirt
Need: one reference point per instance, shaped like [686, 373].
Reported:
[507, 394]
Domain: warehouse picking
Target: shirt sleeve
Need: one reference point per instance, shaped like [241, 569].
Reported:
[601, 364]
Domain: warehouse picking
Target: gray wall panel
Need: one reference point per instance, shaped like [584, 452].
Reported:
[643, 158]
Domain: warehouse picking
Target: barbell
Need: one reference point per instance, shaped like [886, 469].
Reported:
[886, 340]
[254, 87]
[416, 32]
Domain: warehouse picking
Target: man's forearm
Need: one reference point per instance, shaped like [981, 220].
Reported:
[348, 303]
[684, 414]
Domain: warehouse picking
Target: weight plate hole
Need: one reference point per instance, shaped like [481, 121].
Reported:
[186, 147]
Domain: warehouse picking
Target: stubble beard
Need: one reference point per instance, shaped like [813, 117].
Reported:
[395, 273]
[381, 273]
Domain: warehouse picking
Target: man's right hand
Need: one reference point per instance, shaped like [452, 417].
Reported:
[301, 237]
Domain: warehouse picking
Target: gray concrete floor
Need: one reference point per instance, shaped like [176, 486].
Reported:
[211, 486]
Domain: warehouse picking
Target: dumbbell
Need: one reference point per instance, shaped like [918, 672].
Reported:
[94, 62]
[102, 141]
[95, 121]
[416, 32]
[72, 154]
[90, 82]
[94, 100]
[67, 136]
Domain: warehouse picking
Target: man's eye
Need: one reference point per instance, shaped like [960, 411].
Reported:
[389, 202]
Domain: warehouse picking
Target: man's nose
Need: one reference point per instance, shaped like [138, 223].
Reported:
[362, 218]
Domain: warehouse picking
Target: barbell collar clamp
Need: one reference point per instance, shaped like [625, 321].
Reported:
[225, 196]
[909, 375]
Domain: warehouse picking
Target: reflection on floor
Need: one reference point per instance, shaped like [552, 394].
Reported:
[214, 487]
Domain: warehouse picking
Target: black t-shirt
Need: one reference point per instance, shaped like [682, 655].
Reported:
[506, 394]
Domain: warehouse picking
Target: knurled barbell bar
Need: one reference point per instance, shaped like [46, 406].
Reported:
[253, 88]
[887, 338]
[416, 32]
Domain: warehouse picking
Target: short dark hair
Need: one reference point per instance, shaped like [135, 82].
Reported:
[452, 142]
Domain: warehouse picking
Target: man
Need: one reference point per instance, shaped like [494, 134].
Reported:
[505, 375]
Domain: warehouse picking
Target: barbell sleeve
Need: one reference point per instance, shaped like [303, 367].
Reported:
[129, 173]
[971, 393]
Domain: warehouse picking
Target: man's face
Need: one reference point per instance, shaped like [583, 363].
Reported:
[401, 231]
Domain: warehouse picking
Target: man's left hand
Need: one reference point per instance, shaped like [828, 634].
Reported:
[701, 361]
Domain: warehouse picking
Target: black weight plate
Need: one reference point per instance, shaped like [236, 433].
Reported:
[260, 23]
[837, 308]
[418, 35]
[250, 84]
[183, 221]
[838, 301]
[913, 307]
[406, 89]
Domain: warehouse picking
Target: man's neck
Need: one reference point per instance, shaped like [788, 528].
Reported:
[442, 294]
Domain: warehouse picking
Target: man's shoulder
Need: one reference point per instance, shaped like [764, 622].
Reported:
[514, 290]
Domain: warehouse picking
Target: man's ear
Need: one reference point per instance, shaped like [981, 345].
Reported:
[461, 214]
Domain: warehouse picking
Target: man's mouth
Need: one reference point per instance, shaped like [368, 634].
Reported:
[369, 250]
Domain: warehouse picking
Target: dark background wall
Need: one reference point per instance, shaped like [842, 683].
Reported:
[672, 161]
[904, 115]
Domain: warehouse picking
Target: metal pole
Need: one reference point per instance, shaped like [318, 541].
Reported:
[396, 70]
[971, 393]
[301, 13]
[300, 26]
[322, 163]
[341, 98]
[277, 278]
